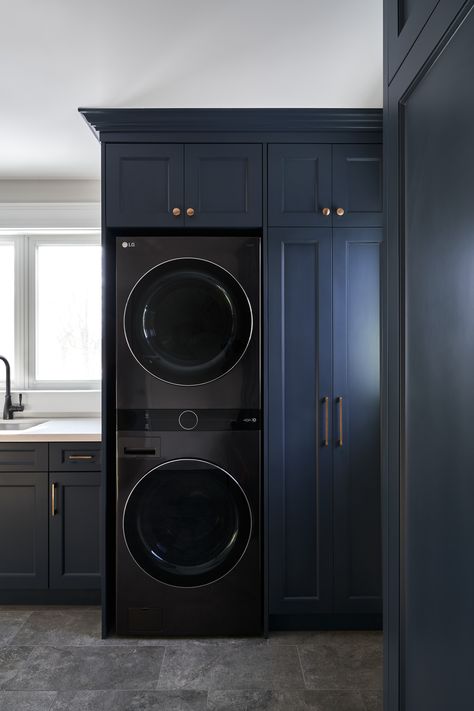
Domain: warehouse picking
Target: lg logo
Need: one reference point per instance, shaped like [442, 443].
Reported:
[128, 244]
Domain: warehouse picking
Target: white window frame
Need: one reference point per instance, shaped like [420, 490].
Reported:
[23, 366]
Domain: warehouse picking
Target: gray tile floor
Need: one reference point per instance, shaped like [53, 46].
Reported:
[52, 659]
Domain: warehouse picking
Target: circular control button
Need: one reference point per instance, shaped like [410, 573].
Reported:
[188, 420]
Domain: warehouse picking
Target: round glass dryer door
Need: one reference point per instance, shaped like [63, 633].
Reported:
[188, 321]
[187, 523]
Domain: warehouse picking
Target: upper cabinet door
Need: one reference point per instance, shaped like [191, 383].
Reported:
[357, 185]
[144, 185]
[223, 185]
[299, 185]
[406, 19]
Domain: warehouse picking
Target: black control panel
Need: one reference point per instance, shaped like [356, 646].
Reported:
[187, 420]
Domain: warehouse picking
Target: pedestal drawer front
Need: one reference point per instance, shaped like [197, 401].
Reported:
[23, 456]
[74, 457]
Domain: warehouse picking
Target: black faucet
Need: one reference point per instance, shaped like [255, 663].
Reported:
[9, 408]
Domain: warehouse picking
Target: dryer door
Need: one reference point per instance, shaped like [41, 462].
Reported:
[188, 321]
[187, 522]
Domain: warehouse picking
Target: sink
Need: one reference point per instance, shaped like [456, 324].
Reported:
[20, 424]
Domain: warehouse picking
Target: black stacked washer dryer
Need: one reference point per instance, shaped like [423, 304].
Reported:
[188, 441]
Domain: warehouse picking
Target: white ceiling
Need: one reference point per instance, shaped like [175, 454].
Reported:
[56, 55]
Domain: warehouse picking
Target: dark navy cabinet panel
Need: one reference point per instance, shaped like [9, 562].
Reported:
[300, 336]
[431, 355]
[428, 477]
[143, 183]
[299, 184]
[406, 19]
[223, 185]
[24, 531]
[357, 185]
[74, 530]
[356, 421]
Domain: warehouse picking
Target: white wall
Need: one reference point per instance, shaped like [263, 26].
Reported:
[171, 53]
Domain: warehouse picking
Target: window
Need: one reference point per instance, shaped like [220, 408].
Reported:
[50, 319]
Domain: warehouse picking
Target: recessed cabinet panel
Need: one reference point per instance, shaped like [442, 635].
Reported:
[357, 478]
[144, 183]
[223, 185]
[23, 456]
[299, 184]
[74, 530]
[357, 185]
[406, 19]
[23, 531]
[299, 462]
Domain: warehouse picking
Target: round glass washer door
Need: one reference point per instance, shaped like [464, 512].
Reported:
[188, 321]
[187, 523]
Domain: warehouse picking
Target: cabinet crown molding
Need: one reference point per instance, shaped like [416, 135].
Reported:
[109, 121]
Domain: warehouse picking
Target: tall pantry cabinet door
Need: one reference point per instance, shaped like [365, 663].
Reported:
[299, 371]
[356, 421]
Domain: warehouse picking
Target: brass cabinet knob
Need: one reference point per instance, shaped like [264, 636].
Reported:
[340, 211]
[326, 211]
[176, 211]
[190, 211]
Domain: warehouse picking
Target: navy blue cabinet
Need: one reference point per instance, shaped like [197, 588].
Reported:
[356, 420]
[428, 477]
[299, 185]
[314, 184]
[300, 451]
[23, 530]
[324, 315]
[357, 185]
[143, 184]
[324, 421]
[176, 185]
[74, 534]
[49, 522]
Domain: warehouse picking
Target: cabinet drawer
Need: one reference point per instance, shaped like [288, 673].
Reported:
[23, 456]
[74, 456]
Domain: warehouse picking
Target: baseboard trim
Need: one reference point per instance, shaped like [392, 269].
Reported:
[50, 597]
[325, 622]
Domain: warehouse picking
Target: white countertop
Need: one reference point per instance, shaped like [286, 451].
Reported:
[84, 429]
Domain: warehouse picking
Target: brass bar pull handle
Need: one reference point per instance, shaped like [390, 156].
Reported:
[340, 440]
[326, 422]
[53, 499]
[82, 457]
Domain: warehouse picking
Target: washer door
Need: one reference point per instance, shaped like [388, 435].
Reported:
[187, 523]
[188, 321]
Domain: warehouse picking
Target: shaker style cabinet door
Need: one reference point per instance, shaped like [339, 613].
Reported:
[356, 421]
[406, 19]
[299, 465]
[144, 185]
[74, 533]
[357, 185]
[24, 531]
[223, 185]
[299, 185]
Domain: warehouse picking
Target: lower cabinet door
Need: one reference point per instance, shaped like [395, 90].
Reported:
[356, 421]
[23, 531]
[299, 454]
[74, 530]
